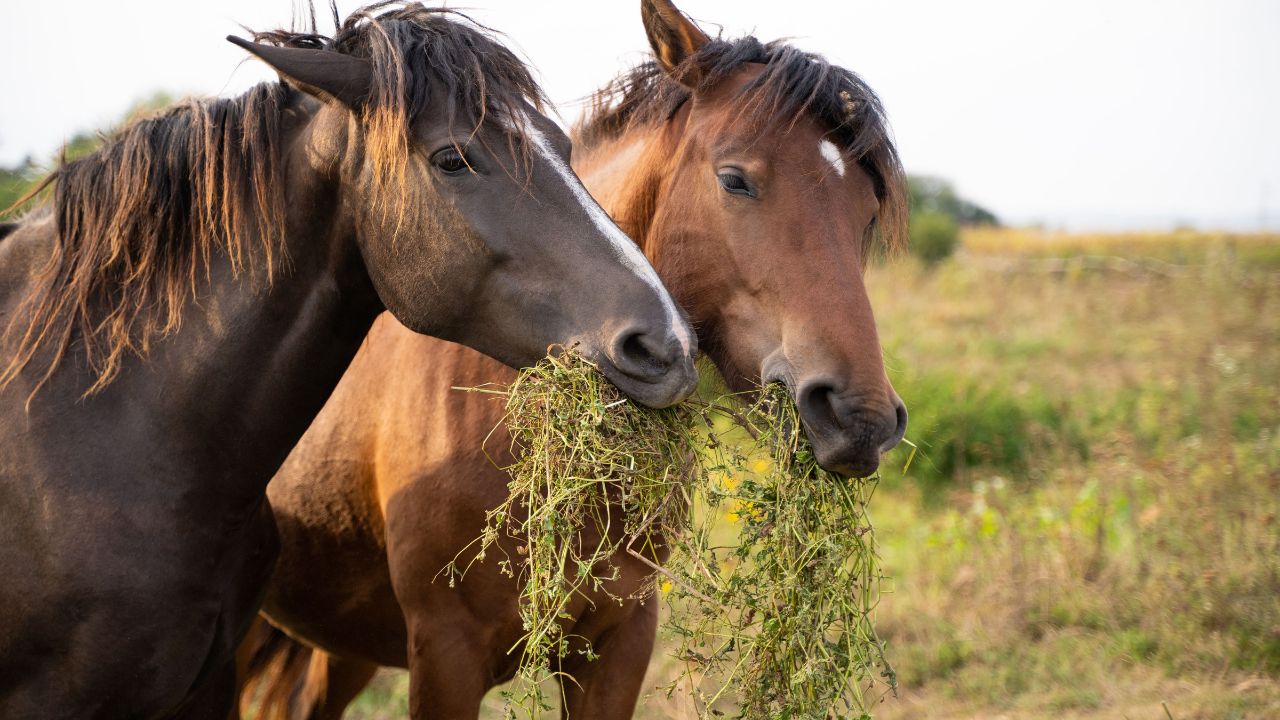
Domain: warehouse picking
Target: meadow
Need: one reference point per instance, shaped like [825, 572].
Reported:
[1093, 528]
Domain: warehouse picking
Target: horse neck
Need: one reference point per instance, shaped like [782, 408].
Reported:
[265, 353]
[228, 394]
[626, 176]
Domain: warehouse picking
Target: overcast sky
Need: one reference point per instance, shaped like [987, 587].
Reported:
[1092, 113]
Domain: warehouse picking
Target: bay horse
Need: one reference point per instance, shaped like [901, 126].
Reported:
[181, 310]
[756, 177]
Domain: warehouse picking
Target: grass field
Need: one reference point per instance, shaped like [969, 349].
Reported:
[1091, 530]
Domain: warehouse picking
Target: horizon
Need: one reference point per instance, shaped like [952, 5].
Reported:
[1125, 117]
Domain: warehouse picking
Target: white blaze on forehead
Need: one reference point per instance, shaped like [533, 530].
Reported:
[624, 248]
[832, 155]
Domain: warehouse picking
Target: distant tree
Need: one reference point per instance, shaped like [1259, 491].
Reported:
[933, 194]
[934, 236]
[937, 213]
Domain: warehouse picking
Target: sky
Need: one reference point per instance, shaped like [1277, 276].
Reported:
[1091, 114]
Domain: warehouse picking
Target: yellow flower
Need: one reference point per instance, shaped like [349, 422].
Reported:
[739, 509]
[665, 586]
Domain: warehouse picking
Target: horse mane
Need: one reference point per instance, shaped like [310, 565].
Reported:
[140, 220]
[794, 84]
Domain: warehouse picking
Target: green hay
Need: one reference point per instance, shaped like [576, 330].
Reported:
[773, 577]
[777, 618]
[582, 449]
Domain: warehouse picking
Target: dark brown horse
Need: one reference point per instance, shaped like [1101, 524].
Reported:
[755, 177]
[184, 307]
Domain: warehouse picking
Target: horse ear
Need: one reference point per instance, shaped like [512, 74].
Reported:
[322, 73]
[673, 37]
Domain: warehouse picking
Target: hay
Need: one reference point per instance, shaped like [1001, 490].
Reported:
[773, 576]
[778, 620]
[582, 449]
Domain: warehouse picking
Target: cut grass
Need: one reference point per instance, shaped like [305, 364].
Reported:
[595, 475]
[777, 617]
[783, 609]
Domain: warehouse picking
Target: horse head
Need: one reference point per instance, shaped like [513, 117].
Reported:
[772, 179]
[458, 191]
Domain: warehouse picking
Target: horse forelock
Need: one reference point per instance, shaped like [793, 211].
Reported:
[423, 56]
[792, 85]
[140, 220]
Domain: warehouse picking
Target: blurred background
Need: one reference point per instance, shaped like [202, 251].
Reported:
[1086, 332]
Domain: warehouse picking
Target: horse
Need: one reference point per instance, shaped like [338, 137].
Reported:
[180, 310]
[757, 178]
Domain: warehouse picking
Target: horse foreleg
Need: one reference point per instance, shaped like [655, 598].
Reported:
[608, 687]
[345, 679]
[447, 677]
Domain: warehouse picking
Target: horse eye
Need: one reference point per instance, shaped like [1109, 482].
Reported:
[450, 161]
[735, 183]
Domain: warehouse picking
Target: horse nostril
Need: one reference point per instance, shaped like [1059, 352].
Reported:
[815, 403]
[900, 429]
[826, 409]
[641, 355]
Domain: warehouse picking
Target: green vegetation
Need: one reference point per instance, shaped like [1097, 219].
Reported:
[1117, 529]
[774, 585]
[936, 195]
[584, 449]
[937, 214]
[16, 181]
[934, 236]
[773, 575]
